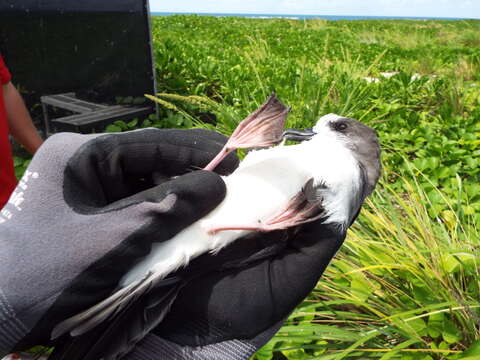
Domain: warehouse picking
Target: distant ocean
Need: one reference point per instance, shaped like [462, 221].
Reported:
[305, 17]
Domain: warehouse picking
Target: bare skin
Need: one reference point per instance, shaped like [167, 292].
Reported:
[19, 121]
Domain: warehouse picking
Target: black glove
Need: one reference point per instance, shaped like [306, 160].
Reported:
[77, 221]
[232, 312]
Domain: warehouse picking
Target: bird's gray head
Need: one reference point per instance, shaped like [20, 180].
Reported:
[360, 139]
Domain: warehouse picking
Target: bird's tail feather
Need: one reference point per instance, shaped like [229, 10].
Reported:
[97, 313]
[110, 307]
[112, 339]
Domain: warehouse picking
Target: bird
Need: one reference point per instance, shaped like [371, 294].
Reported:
[326, 175]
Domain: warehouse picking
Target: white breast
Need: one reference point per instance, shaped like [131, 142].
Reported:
[263, 183]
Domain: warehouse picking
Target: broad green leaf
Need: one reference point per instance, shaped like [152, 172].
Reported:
[472, 352]
[113, 128]
[450, 333]
[294, 354]
[132, 123]
[265, 352]
[455, 262]
[17, 161]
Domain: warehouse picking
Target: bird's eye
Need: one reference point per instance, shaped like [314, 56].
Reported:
[340, 126]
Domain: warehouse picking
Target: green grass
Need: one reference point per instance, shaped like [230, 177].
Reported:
[400, 283]
[318, 67]
[405, 284]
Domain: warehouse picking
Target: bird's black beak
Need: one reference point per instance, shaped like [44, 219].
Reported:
[298, 135]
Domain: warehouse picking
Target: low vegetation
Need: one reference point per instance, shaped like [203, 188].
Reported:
[406, 283]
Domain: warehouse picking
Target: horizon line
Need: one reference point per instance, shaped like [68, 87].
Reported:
[252, 13]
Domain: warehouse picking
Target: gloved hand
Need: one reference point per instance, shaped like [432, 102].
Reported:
[77, 221]
[230, 313]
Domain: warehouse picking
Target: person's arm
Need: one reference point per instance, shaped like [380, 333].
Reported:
[19, 120]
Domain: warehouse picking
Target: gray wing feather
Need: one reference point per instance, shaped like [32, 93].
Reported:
[313, 193]
[90, 318]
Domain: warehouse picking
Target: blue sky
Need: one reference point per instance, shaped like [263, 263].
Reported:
[433, 8]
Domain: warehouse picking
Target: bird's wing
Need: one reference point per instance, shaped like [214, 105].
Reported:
[359, 196]
[113, 327]
[314, 193]
[88, 319]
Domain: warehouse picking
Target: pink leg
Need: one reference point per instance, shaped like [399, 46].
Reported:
[301, 209]
[216, 229]
[217, 159]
